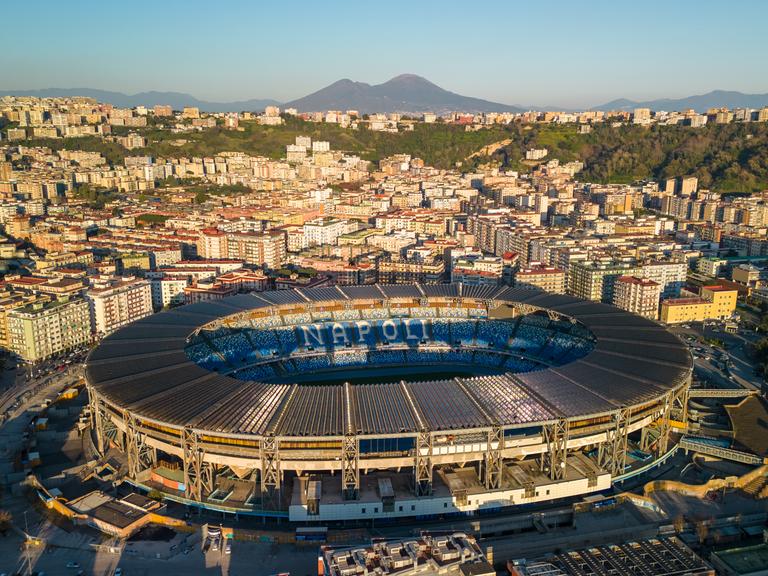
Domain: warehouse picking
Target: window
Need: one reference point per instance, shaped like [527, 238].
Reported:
[363, 511]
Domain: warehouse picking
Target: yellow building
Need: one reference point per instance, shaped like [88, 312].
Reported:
[716, 302]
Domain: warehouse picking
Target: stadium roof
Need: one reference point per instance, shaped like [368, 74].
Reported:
[143, 368]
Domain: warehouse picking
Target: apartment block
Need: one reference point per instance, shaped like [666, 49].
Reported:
[713, 303]
[670, 276]
[262, 248]
[637, 295]
[167, 291]
[115, 302]
[547, 278]
[44, 329]
[596, 280]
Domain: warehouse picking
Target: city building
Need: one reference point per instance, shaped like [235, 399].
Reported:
[713, 303]
[537, 275]
[596, 280]
[262, 248]
[44, 329]
[115, 302]
[638, 295]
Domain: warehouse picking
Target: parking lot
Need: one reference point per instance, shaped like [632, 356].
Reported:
[720, 366]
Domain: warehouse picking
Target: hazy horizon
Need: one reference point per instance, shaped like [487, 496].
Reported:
[567, 55]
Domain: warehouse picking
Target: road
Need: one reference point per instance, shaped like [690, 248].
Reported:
[246, 559]
[740, 368]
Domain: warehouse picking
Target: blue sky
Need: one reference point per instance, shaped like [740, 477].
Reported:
[568, 53]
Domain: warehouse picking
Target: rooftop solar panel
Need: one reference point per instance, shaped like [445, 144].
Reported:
[135, 331]
[556, 301]
[642, 333]
[624, 319]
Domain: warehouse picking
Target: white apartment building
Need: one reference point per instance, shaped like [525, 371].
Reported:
[212, 244]
[115, 302]
[477, 270]
[710, 266]
[670, 276]
[322, 231]
[44, 329]
[168, 290]
[637, 295]
[536, 153]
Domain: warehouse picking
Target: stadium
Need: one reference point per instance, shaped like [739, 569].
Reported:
[386, 401]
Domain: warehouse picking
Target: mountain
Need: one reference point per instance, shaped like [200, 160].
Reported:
[404, 93]
[700, 103]
[177, 100]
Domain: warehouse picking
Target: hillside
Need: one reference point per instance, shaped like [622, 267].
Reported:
[440, 145]
[726, 158]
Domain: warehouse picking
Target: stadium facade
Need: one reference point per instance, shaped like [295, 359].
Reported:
[245, 405]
